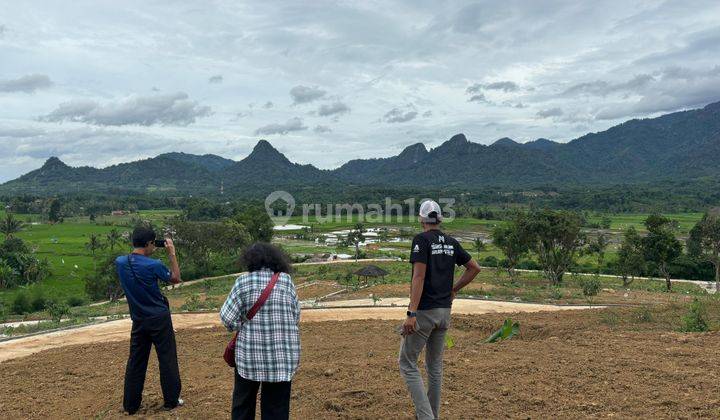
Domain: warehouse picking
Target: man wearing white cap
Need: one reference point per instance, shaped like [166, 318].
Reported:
[433, 256]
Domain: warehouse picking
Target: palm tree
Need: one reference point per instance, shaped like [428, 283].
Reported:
[94, 244]
[10, 225]
[479, 246]
[113, 237]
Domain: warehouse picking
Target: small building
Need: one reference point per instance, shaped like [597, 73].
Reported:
[118, 213]
[370, 271]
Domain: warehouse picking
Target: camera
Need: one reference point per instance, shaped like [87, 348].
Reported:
[160, 243]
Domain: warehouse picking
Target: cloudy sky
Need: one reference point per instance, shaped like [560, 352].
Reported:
[102, 82]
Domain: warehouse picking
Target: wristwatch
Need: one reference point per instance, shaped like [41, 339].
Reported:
[411, 314]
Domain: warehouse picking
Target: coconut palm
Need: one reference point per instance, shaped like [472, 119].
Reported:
[113, 237]
[10, 225]
[94, 244]
[479, 246]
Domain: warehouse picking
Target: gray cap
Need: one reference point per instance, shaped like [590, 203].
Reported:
[430, 212]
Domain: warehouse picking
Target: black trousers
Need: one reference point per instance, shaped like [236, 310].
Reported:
[274, 399]
[156, 331]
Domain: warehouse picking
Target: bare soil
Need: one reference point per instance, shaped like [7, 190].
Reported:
[566, 364]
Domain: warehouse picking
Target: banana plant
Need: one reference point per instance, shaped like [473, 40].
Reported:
[508, 330]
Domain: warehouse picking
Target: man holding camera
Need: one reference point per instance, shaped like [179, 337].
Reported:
[434, 256]
[150, 313]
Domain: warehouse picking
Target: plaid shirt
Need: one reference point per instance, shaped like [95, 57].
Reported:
[268, 346]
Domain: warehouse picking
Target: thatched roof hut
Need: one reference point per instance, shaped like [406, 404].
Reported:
[371, 271]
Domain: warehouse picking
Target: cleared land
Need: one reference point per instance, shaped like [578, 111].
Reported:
[622, 363]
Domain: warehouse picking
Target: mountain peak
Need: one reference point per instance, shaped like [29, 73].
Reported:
[541, 144]
[413, 153]
[457, 139]
[54, 162]
[264, 146]
[264, 151]
[505, 141]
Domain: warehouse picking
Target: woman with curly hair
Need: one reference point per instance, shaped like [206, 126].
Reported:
[267, 351]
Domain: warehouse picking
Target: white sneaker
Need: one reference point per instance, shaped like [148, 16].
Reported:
[181, 402]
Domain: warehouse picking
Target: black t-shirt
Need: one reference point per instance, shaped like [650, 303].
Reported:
[441, 253]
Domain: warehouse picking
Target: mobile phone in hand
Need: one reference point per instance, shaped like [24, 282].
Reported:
[160, 243]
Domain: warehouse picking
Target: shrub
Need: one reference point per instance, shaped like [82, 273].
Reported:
[38, 302]
[74, 301]
[590, 286]
[528, 265]
[21, 304]
[57, 310]
[609, 318]
[694, 321]
[489, 261]
[642, 315]
[555, 293]
[104, 283]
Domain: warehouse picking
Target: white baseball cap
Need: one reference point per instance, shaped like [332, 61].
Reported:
[430, 212]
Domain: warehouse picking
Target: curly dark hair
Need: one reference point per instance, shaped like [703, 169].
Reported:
[264, 255]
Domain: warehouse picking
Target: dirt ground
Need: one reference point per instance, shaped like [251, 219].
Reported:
[347, 310]
[563, 365]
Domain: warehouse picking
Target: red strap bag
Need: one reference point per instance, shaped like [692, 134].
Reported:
[229, 354]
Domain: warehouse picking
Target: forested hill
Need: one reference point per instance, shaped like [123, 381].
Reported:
[681, 146]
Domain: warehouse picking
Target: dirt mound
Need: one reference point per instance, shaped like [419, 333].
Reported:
[563, 365]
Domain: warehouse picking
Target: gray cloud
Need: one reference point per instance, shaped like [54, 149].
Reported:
[396, 115]
[335, 108]
[322, 129]
[216, 79]
[505, 86]
[602, 88]
[376, 56]
[427, 114]
[166, 109]
[671, 89]
[552, 112]
[293, 124]
[268, 105]
[3, 28]
[479, 97]
[304, 94]
[27, 84]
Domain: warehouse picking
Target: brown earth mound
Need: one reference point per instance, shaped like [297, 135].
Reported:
[563, 365]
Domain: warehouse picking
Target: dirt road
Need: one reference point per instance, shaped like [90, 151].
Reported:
[347, 310]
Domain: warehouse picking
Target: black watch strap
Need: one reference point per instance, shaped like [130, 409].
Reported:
[411, 314]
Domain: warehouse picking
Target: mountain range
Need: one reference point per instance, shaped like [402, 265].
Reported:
[681, 146]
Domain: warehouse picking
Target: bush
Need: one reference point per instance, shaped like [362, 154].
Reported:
[590, 286]
[528, 265]
[642, 315]
[104, 283]
[609, 318]
[74, 301]
[556, 292]
[489, 261]
[21, 304]
[694, 321]
[38, 302]
[57, 310]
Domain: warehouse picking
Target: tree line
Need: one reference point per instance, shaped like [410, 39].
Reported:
[555, 239]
